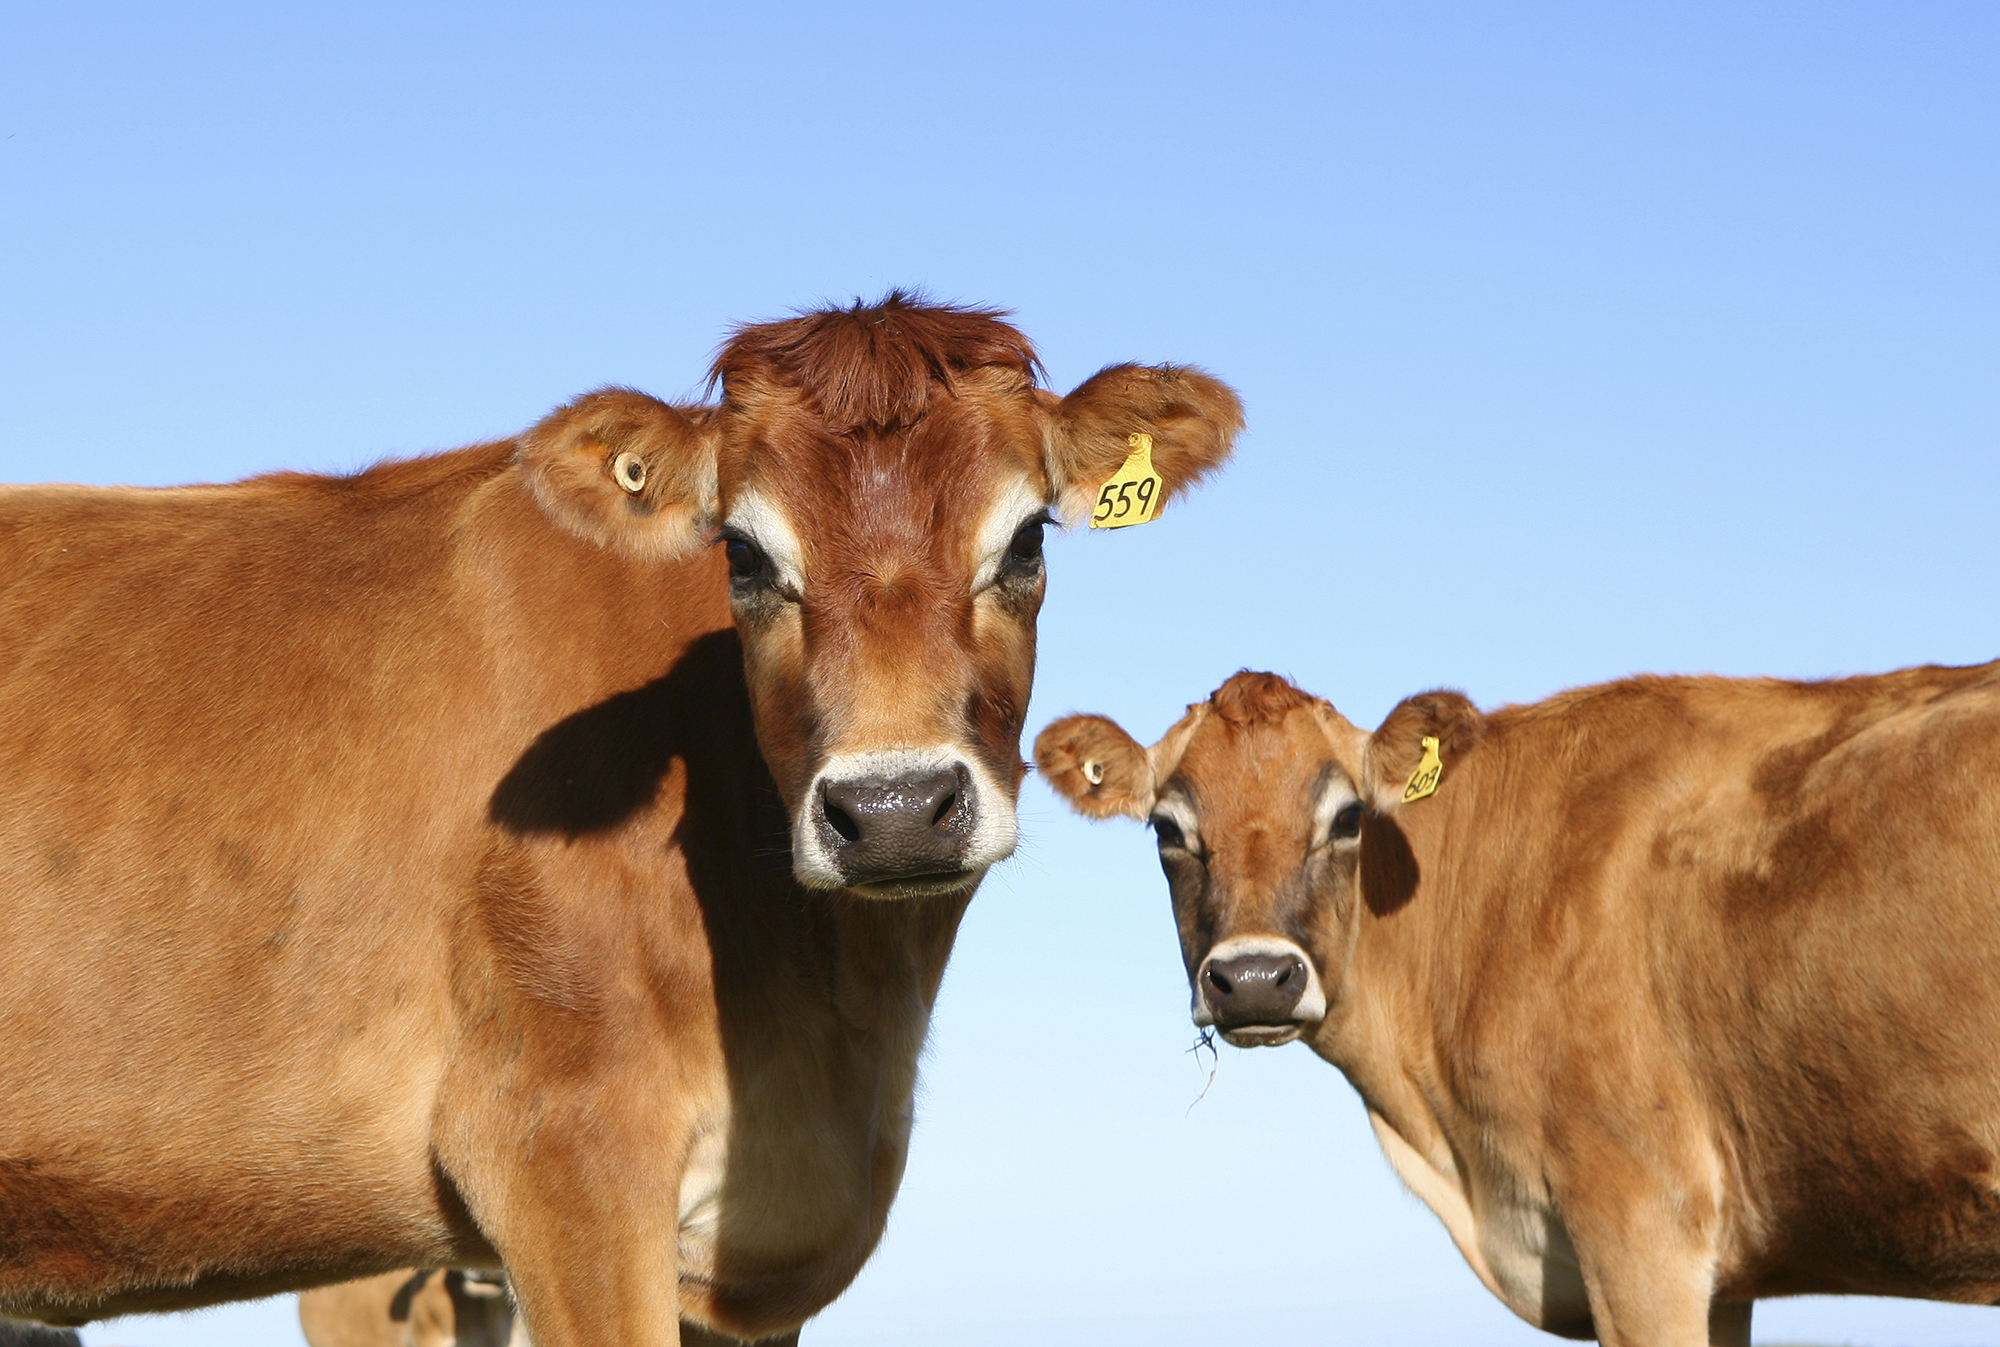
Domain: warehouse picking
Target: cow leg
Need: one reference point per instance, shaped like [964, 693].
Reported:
[1729, 1323]
[574, 1178]
[1728, 1326]
[592, 1262]
[586, 1303]
[694, 1335]
[1648, 1288]
[1649, 1316]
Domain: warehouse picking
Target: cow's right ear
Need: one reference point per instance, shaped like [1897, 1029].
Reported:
[1096, 766]
[1398, 766]
[625, 471]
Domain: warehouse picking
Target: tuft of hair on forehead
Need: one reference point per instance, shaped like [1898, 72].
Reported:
[873, 366]
[1251, 698]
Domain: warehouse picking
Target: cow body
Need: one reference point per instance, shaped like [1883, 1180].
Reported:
[1677, 993]
[402, 906]
[445, 865]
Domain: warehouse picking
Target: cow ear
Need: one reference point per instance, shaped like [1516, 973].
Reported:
[1192, 416]
[1396, 753]
[625, 471]
[1096, 766]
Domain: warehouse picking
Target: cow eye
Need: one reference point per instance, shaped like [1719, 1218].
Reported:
[745, 561]
[1347, 823]
[1168, 832]
[1024, 554]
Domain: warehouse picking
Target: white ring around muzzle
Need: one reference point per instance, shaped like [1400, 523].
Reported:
[994, 831]
[1311, 1006]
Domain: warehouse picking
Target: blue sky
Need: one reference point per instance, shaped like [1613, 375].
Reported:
[1576, 339]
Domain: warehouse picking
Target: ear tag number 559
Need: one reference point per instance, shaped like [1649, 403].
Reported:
[1132, 496]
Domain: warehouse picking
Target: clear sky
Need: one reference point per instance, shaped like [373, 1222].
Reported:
[1577, 339]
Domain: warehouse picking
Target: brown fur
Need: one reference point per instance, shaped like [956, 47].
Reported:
[1676, 995]
[1250, 699]
[393, 868]
[873, 370]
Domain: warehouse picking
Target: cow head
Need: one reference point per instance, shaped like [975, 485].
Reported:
[879, 479]
[1274, 815]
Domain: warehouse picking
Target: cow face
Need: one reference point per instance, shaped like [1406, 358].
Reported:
[1262, 799]
[1255, 800]
[879, 480]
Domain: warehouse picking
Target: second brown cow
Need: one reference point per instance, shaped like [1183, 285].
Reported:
[1665, 995]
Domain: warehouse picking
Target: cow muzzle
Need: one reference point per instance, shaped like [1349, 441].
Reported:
[1258, 991]
[901, 824]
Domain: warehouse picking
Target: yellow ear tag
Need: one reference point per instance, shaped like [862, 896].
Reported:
[1132, 496]
[1424, 781]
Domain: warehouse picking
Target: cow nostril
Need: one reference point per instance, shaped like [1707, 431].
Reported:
[841, 821]
[945, 806]
[1219, 982]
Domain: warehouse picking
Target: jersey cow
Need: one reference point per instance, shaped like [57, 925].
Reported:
[459, 863]
[1665, 995]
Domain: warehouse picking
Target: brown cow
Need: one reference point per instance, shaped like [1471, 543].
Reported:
[1676, 993]
[679, 836]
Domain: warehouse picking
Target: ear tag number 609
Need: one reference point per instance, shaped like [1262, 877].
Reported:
[1132, 496]
[1423, 782]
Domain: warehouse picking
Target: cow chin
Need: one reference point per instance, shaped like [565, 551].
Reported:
[1262, 1035]
[901, 823]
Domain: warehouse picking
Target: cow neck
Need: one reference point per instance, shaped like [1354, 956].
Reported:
[813, 1005]
[1401, 987]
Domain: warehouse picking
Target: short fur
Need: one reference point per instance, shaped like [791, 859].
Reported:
[1677, 994]
[875, 369]
[393, 867]
[1250, 699]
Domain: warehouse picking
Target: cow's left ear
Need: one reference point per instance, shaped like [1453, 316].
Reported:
[1092, 763]
[1398, 765]
[625, 471]
[1192, 416]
